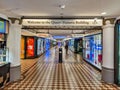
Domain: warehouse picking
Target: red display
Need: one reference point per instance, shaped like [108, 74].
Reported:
[100, 58]
[30, 47]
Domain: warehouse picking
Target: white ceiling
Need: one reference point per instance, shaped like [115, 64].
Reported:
[18, 8]
[51, 7]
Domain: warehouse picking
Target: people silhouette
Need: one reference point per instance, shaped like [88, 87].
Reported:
[66, 47]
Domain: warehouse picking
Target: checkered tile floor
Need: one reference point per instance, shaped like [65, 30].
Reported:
[72, 74]
[26, 64]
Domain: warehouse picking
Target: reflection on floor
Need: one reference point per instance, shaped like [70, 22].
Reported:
[72, 74]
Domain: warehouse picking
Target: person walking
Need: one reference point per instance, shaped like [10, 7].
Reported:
[66, 47]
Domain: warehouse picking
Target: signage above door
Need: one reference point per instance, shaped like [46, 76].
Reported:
[62, 22]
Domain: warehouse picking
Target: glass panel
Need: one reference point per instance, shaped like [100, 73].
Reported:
[3, 55]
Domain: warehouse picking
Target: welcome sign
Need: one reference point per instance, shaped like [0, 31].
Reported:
[62, 22]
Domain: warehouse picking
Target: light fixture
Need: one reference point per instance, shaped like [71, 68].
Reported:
[62, 6]
[103, 13]
[95, 18]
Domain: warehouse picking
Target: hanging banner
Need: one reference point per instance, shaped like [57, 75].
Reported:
[62, 22]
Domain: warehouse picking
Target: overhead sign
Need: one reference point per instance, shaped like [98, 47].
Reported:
[62, 22]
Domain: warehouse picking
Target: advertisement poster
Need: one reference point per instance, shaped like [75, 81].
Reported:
[93, 50]
[30, 47]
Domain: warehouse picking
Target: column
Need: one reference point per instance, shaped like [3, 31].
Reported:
[13, 43]
[108, 52]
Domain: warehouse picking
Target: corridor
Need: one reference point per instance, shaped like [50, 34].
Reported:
[47, 74]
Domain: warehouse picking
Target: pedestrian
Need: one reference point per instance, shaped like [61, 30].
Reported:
[66, 47]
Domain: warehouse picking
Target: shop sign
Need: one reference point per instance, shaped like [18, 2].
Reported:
[62, 22]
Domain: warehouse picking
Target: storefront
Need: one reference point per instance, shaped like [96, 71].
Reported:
[33, 46]
[4, 63]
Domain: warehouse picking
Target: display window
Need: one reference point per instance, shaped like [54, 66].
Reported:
[92, 51]
[3, 39]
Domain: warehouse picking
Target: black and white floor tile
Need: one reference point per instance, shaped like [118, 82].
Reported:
[47, 74]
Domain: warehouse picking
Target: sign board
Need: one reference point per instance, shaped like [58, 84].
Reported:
[62, 22]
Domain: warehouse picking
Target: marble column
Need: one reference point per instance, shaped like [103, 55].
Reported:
[13, 43]
[108, 52]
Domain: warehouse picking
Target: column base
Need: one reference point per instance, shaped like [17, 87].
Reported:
[15, 73]
[108, 75]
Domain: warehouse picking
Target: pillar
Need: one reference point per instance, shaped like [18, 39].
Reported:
[13, 43]
[108, 52]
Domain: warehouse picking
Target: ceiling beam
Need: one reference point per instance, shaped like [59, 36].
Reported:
[61, 17]
[62, 28]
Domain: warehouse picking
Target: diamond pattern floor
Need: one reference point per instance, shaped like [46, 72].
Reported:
[72, 74]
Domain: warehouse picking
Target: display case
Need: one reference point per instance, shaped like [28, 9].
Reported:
[4, 73]
[4, 55]
[4, 67]
[4, 63]
[3, 49]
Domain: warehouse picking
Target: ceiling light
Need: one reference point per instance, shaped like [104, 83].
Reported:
[95, 18]
[103, 13]
[62, 6]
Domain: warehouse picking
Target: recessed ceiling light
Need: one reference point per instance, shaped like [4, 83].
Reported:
[95, 18]
[103, 13]
[62, 6]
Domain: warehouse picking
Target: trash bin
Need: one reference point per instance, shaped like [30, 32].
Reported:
[60, 55]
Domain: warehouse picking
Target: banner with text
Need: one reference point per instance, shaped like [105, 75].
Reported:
[62, 22]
